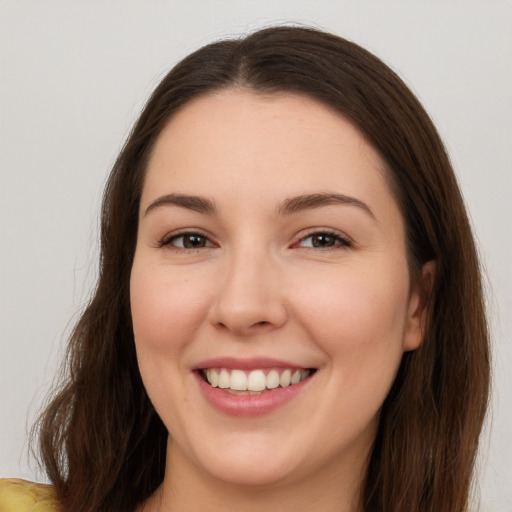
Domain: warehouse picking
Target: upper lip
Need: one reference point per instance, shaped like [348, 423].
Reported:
[253, 363]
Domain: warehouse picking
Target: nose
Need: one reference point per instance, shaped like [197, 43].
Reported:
[251, 295]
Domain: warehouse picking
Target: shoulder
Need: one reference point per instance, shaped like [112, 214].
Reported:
[21, 496]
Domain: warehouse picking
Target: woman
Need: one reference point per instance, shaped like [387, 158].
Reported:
[289, 312]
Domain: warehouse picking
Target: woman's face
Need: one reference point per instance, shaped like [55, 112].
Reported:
[270, 250]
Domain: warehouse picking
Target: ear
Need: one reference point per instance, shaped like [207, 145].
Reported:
[417, 310]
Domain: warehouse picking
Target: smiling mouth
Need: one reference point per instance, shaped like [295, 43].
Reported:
[254, 382]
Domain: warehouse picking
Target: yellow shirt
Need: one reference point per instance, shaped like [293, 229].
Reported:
[21, 496]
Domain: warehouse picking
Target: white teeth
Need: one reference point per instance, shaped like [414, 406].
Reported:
[238, 380]
[223, 379]
[272, 379]
[295, 377]
[285, 378]
[254, 381]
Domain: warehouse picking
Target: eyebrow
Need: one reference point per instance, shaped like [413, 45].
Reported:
[311, 201]
[195, 203]
[289, 206]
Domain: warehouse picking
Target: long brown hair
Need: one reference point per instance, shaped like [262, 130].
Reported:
[101, 441]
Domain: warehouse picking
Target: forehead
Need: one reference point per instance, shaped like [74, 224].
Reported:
[262, 146]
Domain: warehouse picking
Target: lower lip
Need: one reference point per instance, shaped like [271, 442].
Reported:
[249, 405]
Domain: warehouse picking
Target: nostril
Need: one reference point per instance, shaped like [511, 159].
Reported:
[261, 325]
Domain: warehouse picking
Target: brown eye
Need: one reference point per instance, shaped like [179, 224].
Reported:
[324, 241]
[194, 241]
[188, 241]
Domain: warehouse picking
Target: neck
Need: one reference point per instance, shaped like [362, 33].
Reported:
[187, 487]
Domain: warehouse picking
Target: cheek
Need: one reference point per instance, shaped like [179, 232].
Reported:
[359, 322]
[165, 310]
[351, 312]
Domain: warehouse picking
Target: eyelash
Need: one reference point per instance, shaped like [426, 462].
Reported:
[339, 241]
[167, 241]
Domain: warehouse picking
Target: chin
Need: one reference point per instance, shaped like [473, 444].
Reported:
[245, 460]
[250, 474]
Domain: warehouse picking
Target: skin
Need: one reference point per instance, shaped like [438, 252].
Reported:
[258, 288]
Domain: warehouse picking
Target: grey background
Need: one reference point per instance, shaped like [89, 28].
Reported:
[73, 77]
